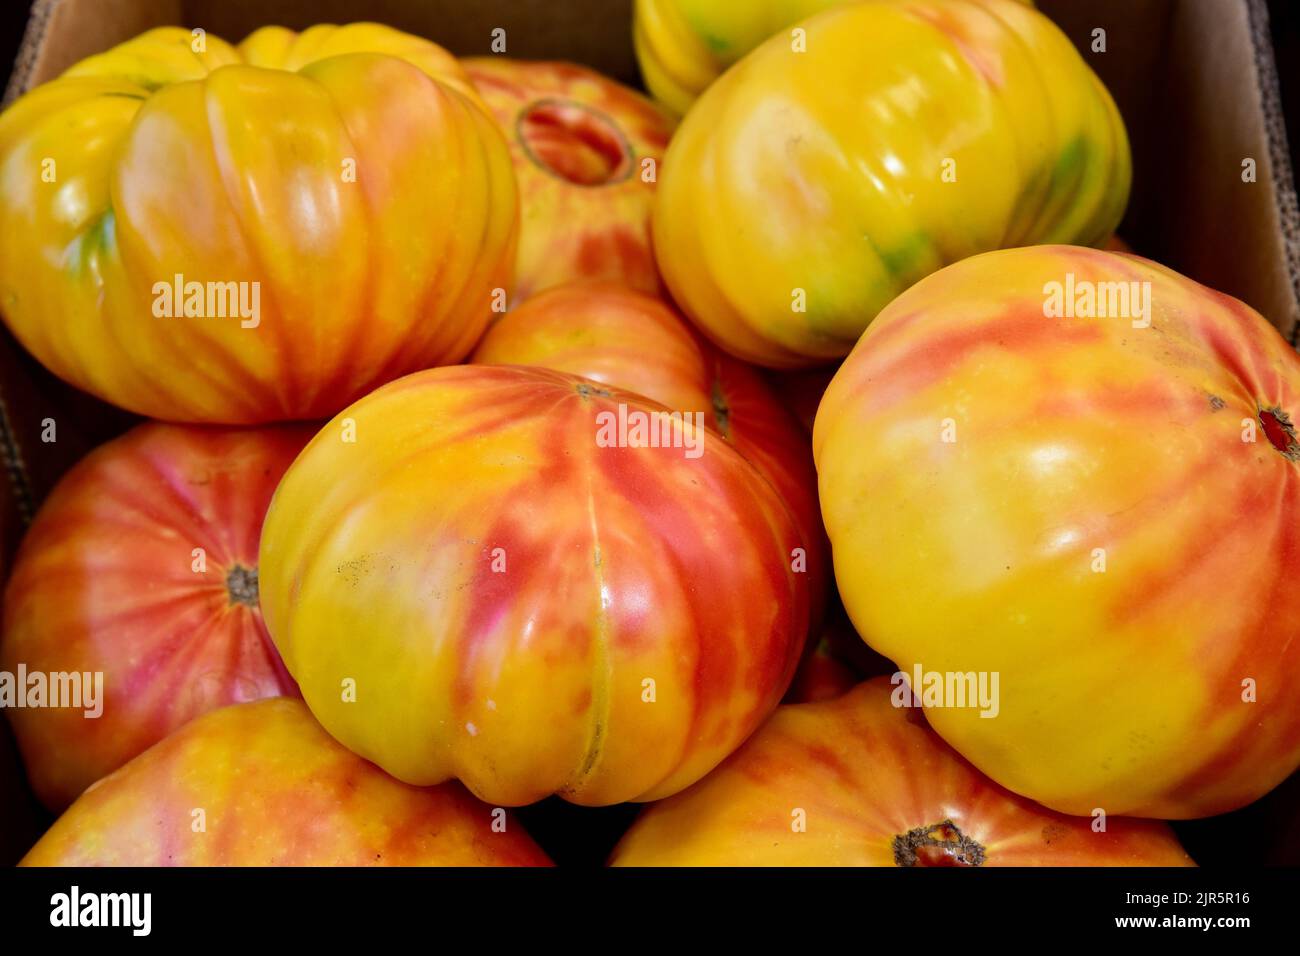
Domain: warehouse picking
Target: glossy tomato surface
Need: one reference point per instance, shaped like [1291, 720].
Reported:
[207, 233]
[141, 567]
[637, 342]
[816, 180]
[1100, 508]
[472, 575]
[586, 152]
[684, 45]
[858, 781]
[261, 784]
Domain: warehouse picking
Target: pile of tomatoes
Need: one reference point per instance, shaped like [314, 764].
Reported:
[789, 455]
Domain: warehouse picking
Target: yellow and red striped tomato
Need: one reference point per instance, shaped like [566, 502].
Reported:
[481, 586]
[636, 342]
[580, 143]
[857, 781]
[809, 186]
[142, 566]
[341, 191]
[261, 784]
[1102, 511]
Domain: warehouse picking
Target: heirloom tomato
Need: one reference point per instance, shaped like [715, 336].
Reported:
[586, 152]
[639, 343]
[534, 583]
[141, 566]
[261, 784]
[816, 181]
[859, 781]
[207, 233]
[1076, 472]
[684, 45]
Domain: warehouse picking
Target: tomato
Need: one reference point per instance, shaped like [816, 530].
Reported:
[620, 337]
[261, 784]
[247, 234]
[894, 139]
[684, 45]
[493, 583]
[1101, 511]
[141, 566]
[857, 781]
[586, 152]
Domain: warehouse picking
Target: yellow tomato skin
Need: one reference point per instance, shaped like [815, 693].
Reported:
[509, 601]
[1092, 510]
[907, 135]
[684, 45]
[275, 790]
[841, 782]
[308, 167]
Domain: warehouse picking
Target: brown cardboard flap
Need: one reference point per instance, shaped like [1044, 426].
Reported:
[1196, 83]
[62, 32]
[598, 34]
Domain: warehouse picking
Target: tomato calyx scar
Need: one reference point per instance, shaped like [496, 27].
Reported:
[574, 142]
[1280, 431]
[587, 389]
[241, 585]
[721, 410]
[940, 844]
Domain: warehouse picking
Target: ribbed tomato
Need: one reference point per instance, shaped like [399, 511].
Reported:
[634, 341]
[1077, 470]
[498, 581]
[261, 784]
[142, 566]
[858, 781]
[586, 152]
[684, 45]
[207, 233]
[821, 176]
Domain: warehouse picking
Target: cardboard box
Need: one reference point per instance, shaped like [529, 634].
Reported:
[1194, 79]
